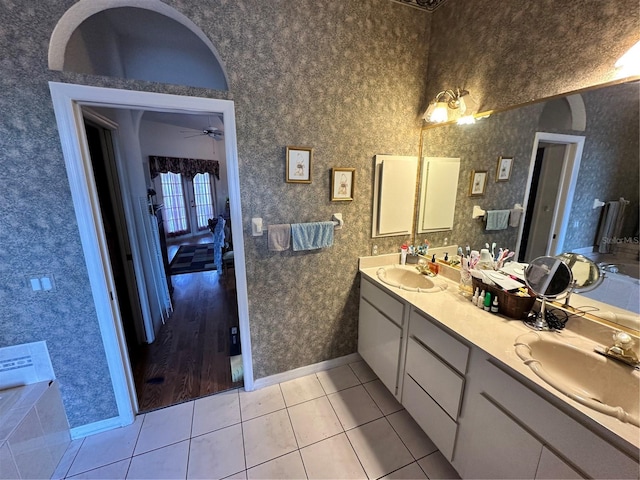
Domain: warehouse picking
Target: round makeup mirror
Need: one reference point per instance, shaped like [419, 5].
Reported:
[587, 275]
[548, 278]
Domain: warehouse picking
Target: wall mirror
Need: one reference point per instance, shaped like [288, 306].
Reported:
[570, 155]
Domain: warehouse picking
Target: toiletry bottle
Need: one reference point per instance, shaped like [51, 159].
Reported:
[433, 266]
[494, 304]
[487, 302]
[403, 254]
[480, 302]
[474, 299]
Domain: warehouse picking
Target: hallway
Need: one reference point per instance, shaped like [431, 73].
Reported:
[190, 357]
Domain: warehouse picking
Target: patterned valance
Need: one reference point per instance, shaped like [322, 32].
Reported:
[188, 167]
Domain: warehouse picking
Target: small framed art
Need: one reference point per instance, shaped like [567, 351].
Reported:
[342, 184]
[478, 183]
[503, 171]
[299, 161]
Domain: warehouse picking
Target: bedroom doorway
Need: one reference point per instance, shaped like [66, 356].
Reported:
[68, 100]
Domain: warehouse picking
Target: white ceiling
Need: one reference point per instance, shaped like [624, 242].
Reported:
[187, 121]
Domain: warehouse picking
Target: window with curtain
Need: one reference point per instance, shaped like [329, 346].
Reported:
[175, 212]
[202, 198]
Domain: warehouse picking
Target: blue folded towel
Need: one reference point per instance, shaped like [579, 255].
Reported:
[311, 236]
[497, 219]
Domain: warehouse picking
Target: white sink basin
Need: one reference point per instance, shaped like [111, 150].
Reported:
[408, 279]
[570, 365]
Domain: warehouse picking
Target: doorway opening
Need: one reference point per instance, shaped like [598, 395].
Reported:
[68, 101]
[194, 344]
[553, 173]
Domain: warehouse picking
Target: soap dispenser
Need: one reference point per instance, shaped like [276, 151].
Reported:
[433, 266]
[403, 254]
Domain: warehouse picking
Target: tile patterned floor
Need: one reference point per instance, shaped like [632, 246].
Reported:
[341, 423]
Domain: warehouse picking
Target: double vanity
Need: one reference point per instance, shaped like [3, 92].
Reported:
[498, 399]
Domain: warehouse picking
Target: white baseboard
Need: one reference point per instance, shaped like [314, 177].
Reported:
[96, 427]
[307, 370]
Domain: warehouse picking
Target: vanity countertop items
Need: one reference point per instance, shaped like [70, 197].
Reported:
[492, 333]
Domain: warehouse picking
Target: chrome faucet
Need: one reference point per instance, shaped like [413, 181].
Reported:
[622, 350]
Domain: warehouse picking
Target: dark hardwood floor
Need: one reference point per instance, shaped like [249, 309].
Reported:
[190, 356]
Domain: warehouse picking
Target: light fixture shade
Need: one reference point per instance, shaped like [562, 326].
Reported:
[440, 113]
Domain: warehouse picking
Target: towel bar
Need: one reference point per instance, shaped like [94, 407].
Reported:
[258, 227]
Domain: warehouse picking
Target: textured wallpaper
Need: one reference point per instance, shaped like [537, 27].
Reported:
[348, 78]
[509, 52]
[345, 79]
[608, 170]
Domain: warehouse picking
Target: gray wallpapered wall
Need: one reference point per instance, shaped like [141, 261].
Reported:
[509, 52]
[609, 166]
[348, 79]
[345, 79]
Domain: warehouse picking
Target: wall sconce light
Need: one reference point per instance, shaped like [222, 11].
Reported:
[451, 105]
[628, 64]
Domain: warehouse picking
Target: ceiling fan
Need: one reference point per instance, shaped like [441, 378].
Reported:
[212, 132]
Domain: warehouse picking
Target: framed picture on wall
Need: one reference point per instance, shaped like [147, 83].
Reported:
[299, 164]
[503, 171]
[342, 184]
[478, 183]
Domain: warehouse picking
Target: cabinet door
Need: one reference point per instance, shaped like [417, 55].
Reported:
[552, 466]
[379, 344]
[500, 448]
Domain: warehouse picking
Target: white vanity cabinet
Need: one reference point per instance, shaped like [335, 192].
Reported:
[509, 431]
[434, 380]
[380, 333]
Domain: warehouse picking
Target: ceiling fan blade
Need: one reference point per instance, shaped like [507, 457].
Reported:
[197, 135]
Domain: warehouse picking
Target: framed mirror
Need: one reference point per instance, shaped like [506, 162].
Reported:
[598, 129]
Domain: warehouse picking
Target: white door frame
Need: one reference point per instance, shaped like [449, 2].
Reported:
[68, 100]
[568, 180]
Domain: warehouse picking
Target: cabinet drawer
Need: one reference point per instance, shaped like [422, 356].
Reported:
[392, 308]
[579, 445]
[431, 418]
[442, 343]
[439, 380]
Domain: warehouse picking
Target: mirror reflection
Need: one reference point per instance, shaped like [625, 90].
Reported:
[574, 170]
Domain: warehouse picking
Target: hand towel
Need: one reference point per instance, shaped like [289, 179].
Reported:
[311, 236]
[514, 217]
[279, 237]
[497, 219]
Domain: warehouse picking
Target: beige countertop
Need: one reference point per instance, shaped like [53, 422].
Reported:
[495, 335]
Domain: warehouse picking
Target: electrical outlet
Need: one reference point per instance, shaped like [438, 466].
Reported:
[374, 250]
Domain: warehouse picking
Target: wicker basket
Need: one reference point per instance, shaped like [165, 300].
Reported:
[509, 305]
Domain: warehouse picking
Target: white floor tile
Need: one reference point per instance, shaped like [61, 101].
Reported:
[268, 437]
[337, 379]
[260, 402]
[67, 459]
[418, 443]
[167, 462]
[283, 468]
[410, 472]
[301, 389]
[237, 476]
[107, 447]
[313, 421]
[215, 412]
[113, 471]
[332, 458]
[379, 448]
[217, 454]
[383, 397]
[363, 371]
[354, 407]
[164, 427]
[436, 466]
